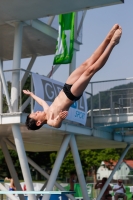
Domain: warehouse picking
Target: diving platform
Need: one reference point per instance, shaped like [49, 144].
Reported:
[109, 131]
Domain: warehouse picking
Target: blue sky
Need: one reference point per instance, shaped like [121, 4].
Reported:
[96, 25]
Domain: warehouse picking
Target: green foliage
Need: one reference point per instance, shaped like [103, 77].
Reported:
[129, 155]
[90, 159]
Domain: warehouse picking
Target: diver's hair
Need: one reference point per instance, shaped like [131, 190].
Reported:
[31, 124]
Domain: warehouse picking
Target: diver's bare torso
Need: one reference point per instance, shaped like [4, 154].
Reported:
[61, 103]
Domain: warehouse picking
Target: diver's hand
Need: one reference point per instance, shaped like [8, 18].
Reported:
[63, 114]
[27, 92]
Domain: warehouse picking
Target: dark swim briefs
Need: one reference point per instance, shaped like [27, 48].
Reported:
[67, 91]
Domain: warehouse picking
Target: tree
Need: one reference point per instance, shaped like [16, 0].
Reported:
[90, 159]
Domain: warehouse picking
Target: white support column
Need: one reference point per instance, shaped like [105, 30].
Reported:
[78, 166]
[14, 98]
[16, 65]
[81, 22]
[57, 165]
[72, 65]
[39, 169]
[11, 168]
[50, 21]
[23, 160]
[5, 87]
[113, 172]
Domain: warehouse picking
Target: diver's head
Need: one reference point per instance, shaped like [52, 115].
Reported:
[35, 120]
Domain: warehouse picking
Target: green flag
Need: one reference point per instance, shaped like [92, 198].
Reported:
[65, 42]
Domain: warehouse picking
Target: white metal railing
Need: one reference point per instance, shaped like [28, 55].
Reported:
[107, 111]
[110, 97]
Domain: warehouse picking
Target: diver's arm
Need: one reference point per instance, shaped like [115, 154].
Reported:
[37, 99]
[58, 120]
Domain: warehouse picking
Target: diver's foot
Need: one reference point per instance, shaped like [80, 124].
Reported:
[116, 37]
[112, 31]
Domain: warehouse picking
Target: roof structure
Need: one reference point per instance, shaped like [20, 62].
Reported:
[38, 38]
[32, 9]
[129, 163]
[111, 164]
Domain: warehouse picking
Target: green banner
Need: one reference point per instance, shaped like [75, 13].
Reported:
[65, 41]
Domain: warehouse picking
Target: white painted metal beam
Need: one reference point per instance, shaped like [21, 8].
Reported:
[11, 167]
[5, 87]
[39, 169]
[78, 167]
[31, 63]
[42, 27]
[57, 165]
[113, 172]
[114, 118]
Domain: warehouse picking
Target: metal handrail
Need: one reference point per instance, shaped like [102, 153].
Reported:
[111, 80]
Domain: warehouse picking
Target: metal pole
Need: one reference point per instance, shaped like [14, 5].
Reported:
[14, 98]
[78, 166]
[99, 103]
[111, 104]
[57, 165]
[31, 100]
[11, 168]
[23, 160]
[5, 87]
[72, 65]
[16, 65]
[51, 19]
[81, 22]
[92, 105]
[28, 68]
[113, 172]
[55, 67]
[25, 104]
[39, 169]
